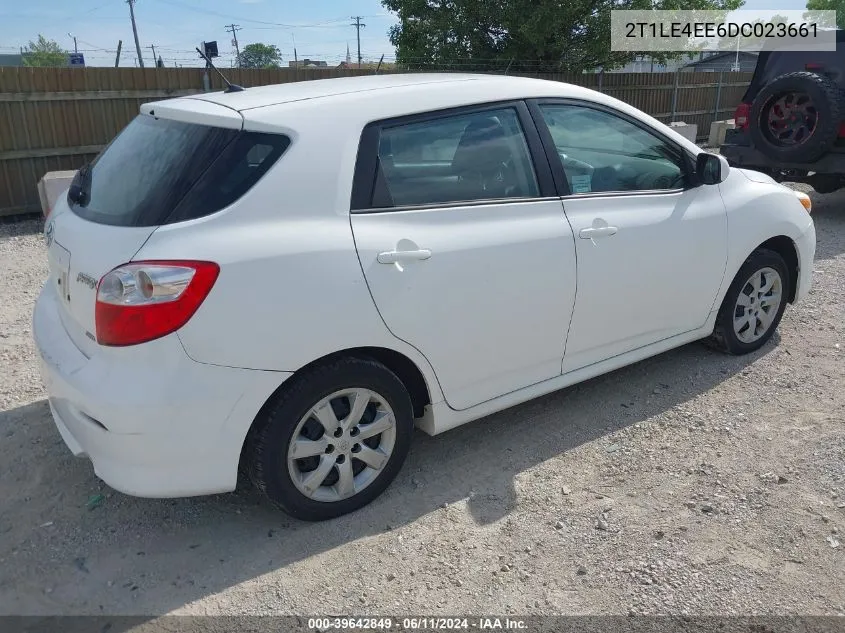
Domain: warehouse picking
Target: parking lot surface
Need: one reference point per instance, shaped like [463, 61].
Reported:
[692, 482]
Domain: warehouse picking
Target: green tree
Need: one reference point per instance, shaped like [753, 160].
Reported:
[44, 52]
[259, 56]
[539, 35]
[830, 5]
[751, 42]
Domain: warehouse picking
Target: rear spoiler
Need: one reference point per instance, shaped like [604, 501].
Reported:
[190, 110]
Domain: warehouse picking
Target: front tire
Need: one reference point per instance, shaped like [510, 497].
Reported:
[333, 441]
[753, 306]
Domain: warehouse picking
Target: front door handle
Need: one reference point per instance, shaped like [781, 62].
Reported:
[395, 257]
[593, 233]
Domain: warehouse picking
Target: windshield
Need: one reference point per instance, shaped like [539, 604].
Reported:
[158, 171]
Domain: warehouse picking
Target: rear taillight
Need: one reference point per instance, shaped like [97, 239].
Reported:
[142, 301]
[741, 116]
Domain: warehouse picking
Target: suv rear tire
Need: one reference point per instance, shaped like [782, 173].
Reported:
[825, 106]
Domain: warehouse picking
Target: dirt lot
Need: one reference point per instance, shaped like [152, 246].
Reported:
[692, 482]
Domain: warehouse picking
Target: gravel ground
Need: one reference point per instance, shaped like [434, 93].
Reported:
[692, 482]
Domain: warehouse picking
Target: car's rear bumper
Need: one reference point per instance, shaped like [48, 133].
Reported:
[739, 152]
[153, 422]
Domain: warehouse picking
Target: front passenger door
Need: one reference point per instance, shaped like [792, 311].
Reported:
[651, 247]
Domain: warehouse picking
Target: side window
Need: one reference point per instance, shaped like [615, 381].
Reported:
[602, 152]
[475, 156]
[234, 172]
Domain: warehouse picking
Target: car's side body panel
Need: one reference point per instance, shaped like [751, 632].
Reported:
[302, 247]
[656, 278]
[290, 277]
[760, 210]
[491, 307]
[443, 418]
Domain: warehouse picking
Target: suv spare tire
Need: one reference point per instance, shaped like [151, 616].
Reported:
[796, 117]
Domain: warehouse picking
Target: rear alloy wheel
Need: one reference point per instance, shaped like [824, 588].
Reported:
[754, 304]
[791, 119]
[334, 439]
[341, 445]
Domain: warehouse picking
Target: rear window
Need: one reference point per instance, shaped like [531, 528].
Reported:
[158, 171]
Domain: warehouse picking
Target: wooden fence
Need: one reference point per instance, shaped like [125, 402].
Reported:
[58, 118]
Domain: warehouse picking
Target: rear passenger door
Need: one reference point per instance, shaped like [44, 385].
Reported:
[465, 246]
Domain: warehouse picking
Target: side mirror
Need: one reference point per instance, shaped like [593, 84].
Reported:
[711, 169]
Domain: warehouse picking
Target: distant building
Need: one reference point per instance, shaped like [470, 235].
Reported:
[723, 62]
[11, 60]
[308, 63]
[646, 64]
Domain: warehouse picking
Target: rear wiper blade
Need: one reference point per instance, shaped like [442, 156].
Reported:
[80, 189]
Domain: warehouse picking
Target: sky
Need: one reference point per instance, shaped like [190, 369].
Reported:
[320, 29]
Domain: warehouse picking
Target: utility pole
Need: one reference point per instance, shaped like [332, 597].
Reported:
[233, 29]
[75, 49]
[155, 58]
[119, 47]
[358, 26]
[131, 4]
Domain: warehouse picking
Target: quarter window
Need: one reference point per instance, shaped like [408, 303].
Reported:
[602, 152]
[475, 156]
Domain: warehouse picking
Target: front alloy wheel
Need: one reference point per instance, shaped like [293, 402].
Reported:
[754, 304]
[758, 304]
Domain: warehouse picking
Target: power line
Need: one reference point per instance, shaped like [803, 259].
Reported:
[229, 16]
[358, 26]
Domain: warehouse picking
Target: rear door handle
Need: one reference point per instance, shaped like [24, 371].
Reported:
[593, 233]
[395, 257]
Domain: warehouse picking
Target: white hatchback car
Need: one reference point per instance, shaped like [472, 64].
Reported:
[286, 279]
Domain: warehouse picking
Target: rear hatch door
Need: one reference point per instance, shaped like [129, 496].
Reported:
[120, 199]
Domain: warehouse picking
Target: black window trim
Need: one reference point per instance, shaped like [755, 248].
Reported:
[279, 149]
[366, 163]
[558, 172]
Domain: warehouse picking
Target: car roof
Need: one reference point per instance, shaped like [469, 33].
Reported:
[358, 100]
[455, 89]
[379, 87]
[263, 96]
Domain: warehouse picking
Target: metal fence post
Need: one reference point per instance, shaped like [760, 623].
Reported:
[675, 96]
[601, 78]
[716, 109]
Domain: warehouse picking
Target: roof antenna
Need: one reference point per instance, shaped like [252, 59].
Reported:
[231, 87]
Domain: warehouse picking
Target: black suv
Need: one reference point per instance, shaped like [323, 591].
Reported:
[790, 122]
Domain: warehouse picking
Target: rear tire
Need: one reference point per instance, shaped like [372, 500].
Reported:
[825, 101]
[753, 306]
[340, 469]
